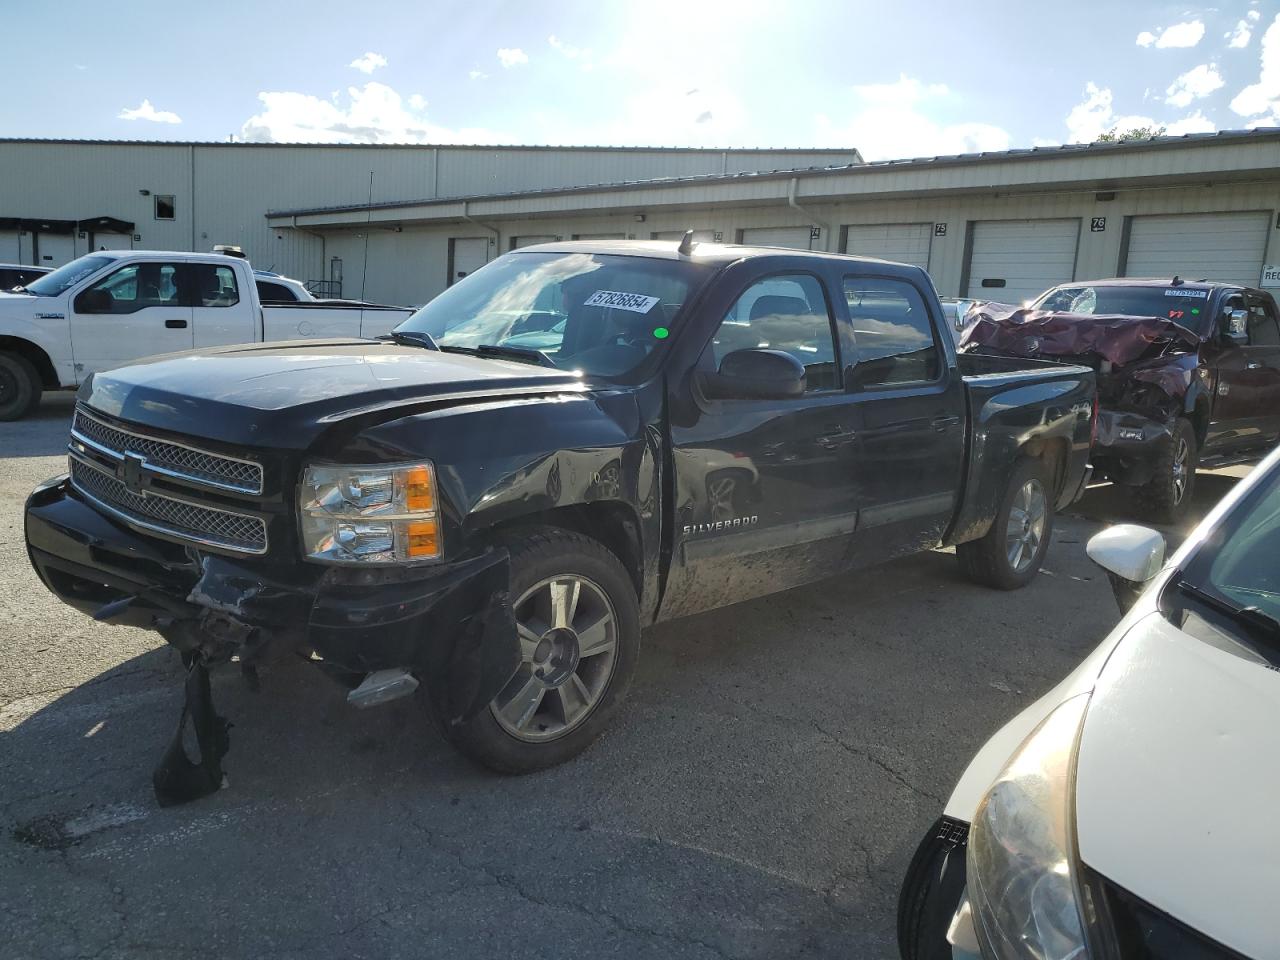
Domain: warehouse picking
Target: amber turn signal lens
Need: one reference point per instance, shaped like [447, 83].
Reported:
[419, 495]
[422, 539]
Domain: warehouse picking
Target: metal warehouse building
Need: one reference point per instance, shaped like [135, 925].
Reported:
[399, 223]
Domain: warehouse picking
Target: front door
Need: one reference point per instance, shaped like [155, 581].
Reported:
[1246, 404]
[469, 254]
[135, 311]
[911, 452]
[765, 496]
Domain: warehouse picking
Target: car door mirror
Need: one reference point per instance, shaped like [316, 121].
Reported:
[1131, 556]
[1235, 326]
[755, 374]
[94, 301]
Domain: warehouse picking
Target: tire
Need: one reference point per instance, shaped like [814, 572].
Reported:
[20, 386]
[1025, 522]
[571, 689]
[1167, 498]
[930, 896]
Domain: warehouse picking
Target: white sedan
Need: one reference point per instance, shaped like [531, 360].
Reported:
[1131, 812]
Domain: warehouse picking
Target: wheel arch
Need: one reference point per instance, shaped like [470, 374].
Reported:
[36, 356]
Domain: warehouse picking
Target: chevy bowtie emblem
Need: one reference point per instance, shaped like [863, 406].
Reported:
[130, 473]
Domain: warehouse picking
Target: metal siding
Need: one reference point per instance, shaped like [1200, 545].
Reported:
[900, 242]
[1028, 255]
[1212, 246]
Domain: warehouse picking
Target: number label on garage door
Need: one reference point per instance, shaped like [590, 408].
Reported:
[1098, 224]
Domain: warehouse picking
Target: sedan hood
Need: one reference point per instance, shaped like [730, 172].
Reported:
[1177, 780]
[284, 394]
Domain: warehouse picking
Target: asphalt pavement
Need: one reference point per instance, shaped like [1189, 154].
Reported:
[758, 797]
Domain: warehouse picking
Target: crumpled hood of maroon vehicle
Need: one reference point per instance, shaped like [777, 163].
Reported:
[1116, 338]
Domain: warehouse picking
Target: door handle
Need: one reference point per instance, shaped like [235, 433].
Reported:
[1253, 366]
[835, 436]
[176, 324]
[942, 423]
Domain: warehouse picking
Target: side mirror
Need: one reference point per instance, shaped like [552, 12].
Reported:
[1131, 556]
[94, 301]
[1235, 326]
[755, 375]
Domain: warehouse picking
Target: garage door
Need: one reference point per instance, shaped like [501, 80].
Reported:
[599, 236]
[1212, 246]
[900, 242]
[8, 246]
[56, 249]
[529, 241]
[699, 236]
[1016, 260]
[795, 237]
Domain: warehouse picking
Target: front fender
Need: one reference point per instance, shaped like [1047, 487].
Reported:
[45, 323]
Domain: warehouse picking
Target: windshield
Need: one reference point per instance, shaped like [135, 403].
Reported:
[599, 313]
[52, 284]
[1182, 304]
[1240, 562]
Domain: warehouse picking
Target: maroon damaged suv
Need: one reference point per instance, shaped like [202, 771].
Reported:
[1188, 374]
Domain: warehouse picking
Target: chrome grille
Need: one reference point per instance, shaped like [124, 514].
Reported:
[155, 511]
[168, 458]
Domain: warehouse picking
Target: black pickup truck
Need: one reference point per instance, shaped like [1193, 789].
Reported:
[573, 443]
[1188, 374]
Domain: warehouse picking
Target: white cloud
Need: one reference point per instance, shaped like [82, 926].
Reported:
[374, 113]
[1263, 96]
[1240, 36]
[1254, 15]
[478, 75]
[1095, 115]
[568, 50]
[1196, 123]
[147, 112]
[369, 62]
[890, 124]
[418, 102]
[512, 57]
[1196, 83]
[1186, 34]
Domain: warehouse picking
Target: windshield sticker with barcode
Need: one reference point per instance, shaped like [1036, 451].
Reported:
[1179, 292]
[635, 302]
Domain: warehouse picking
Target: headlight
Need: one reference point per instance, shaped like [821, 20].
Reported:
[1022, 869]
[369, 514]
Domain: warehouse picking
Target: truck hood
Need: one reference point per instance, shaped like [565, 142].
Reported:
[1177, 782]
[1117, 339]
[283, 395]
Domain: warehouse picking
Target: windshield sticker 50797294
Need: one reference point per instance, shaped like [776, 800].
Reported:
[1180, 292]
[635, 302]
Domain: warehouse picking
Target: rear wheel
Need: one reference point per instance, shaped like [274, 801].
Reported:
[1010, 554]
[1167, 498]
[20, 386]
[579, 625]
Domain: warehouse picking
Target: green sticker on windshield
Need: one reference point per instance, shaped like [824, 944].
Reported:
[1195, 311]
[661, 333]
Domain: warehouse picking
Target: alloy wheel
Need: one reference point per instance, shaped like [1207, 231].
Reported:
[568, 632]
[1025, 528]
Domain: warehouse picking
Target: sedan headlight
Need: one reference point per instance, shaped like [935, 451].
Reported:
[381, 513]
[1022, 868]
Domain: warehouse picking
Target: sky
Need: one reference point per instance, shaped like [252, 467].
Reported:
[895, 80]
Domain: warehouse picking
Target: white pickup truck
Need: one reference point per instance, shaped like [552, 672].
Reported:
[110, 308]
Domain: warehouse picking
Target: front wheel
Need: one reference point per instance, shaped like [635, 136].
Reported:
[1010, 554]
[1167, 498]
[20, 386]
[578, 620]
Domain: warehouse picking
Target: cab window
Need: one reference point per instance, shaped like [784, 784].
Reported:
[136, 287]
[1263, 330]
[269, 292]
[215, 286]
[787, 312]
[892, 329]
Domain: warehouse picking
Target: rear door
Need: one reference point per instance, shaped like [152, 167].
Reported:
[221, 311]
[1246, 407]
[911, 441]
[135, 311]
[765, 489]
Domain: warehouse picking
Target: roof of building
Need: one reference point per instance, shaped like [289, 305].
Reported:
[425, 146]
[948, 160]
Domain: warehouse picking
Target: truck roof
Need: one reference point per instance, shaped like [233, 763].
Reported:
[1153, 282]
[719, 253]
[168, 255]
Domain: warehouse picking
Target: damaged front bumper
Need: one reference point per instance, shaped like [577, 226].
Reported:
[450, 624]
[1127, 445]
